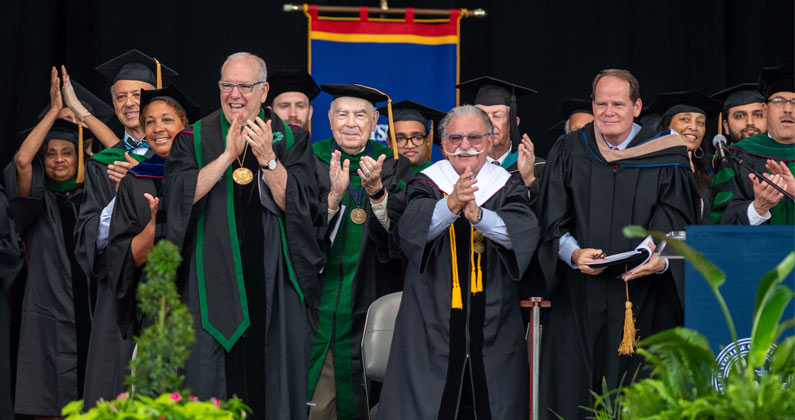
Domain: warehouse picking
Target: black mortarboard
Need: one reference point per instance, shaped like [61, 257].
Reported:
[97, 107]
[135, 65]
[491, 91]
[66, 130]
[742, 94]
[190, 108]
[281, 81]
[671, 103]
[339, 90]
[369, 94]
[407, 110]
[776, 79]
[569, 107]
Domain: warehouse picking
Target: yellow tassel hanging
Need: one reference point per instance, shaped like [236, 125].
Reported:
[480, 277]
[456, 298]
[159, 79]
[430, 143]
[473, 287]
[80, 159]
[627, 346]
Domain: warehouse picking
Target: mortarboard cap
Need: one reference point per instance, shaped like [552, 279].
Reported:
[338, 90]
[135, 65]
[742, 94]
[671, 103]
[97, 107]
[407, 110]
[190, 108]
[776, 79]
[492, 91]
[570, 106]
[282, 81]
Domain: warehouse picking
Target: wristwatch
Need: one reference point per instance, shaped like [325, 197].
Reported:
[378, 194]
[271, 166]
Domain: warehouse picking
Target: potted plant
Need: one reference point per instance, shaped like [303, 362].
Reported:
[683, 366]
[156, 388]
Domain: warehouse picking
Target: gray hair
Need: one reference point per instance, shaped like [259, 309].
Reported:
[566, 127]
[465, 111]
[263, 68]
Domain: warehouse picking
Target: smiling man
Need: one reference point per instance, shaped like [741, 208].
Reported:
[365, 182]
[469, 234]
[291, 95]
[738, 197]
[743, 111]
[610, 174]
[414, 126]
[240, 199]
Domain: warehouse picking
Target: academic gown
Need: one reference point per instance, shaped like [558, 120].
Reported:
[442, 357]
[733, 191]
[353, 276]
[11, 260]
[249, 317]
[108, 352]
[55, 309]
[593, 199]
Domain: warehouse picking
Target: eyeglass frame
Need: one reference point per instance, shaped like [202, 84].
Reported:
[468, 137]
[779, 101]
[411, 139]
[239, 86]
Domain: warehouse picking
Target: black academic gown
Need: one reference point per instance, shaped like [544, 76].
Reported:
[11, 260]
[593, 200]
[55, 309]
[266, 365]
[443, 357]
[108, 353]
[340, 308]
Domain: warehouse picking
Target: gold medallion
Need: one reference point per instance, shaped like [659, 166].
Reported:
[358, 216]
[478, 247]
[242, 176]
[477, 236]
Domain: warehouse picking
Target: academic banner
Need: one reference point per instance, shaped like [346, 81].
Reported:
[405, 58]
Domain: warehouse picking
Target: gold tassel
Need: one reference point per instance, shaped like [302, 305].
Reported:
[430, 142]
[627, 346]
[456, 298]
[389, 117]
[473, 287]
[480, 277]
[80, 160]
[159, 75]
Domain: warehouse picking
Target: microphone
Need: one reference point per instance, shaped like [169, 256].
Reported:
[719, 141]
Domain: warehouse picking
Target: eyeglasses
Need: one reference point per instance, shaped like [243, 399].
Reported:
[417, 140]
[474, 138]
[778, 101]
[244, 87]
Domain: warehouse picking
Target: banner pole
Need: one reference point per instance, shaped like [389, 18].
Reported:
[292, 7]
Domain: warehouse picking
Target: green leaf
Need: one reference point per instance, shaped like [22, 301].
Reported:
[633, 231]
[783, 359]
[775, 276]
[766, 323]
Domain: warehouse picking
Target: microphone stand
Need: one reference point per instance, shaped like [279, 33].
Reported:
[759, 175]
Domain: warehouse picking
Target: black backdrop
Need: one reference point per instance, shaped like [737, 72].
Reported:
[553, 46]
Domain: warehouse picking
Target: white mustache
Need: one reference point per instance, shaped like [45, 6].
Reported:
[468, 152]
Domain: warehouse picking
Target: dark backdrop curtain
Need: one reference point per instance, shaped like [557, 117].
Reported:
[553, 46]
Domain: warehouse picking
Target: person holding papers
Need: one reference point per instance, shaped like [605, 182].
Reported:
[610, 174]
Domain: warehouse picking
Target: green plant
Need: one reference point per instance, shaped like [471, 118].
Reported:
[683, 365]
[164, 346]
[156, 387]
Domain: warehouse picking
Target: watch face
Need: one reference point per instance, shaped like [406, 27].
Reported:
[272, 164]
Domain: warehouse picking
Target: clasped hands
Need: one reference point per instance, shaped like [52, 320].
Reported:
[765, 196]
[339, 176]
[463, 197]
[257, 133]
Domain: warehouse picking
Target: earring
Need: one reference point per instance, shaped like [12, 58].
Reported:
[698, 153]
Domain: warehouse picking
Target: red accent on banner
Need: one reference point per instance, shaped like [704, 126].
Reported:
[364, 26]
[363, 14]
[409, 15]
